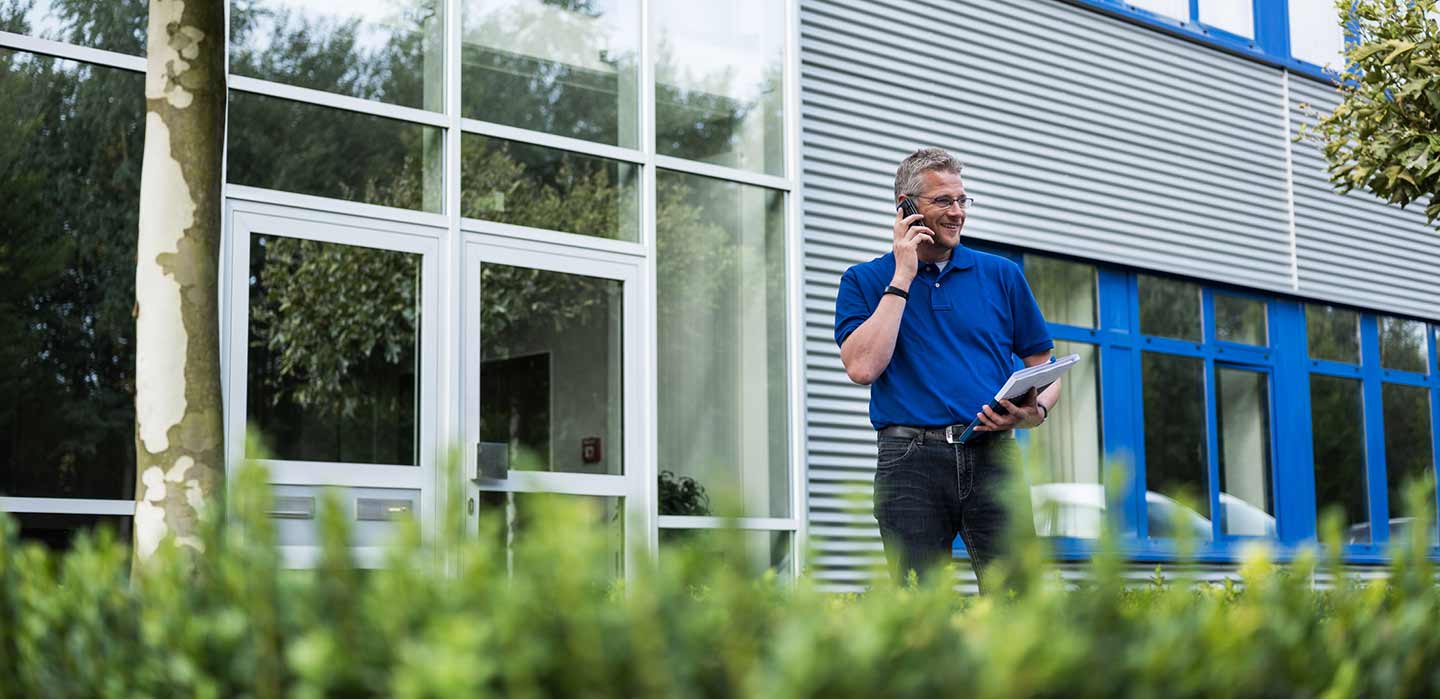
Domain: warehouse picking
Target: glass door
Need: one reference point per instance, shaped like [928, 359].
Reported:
[553, 380]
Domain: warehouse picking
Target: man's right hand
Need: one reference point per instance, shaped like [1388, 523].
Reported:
[909, 233]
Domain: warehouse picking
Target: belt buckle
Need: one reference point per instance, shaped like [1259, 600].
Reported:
[949, 434]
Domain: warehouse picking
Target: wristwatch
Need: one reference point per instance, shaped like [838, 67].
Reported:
[1044, 412]
[892, 289]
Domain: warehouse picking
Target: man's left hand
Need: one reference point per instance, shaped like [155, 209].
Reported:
[1022, 414]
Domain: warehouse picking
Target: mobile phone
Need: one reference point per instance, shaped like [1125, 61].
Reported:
[908, 208]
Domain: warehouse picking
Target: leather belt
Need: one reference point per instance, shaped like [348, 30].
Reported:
[948, 434]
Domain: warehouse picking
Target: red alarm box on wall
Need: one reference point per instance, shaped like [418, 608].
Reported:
[590, 451]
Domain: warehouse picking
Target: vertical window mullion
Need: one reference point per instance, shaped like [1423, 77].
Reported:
[1212, 439]
[1378, 498]
[1295, 509]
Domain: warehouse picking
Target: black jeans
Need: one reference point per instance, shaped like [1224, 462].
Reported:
[927, 491]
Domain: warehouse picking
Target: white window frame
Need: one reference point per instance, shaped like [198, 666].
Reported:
[245, 218]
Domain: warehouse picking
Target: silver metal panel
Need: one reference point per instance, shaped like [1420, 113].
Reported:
[1081, 134]
[1355, 248]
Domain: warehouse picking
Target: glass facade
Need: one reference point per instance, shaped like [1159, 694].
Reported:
[338, 318]
[565, 68]
[540, 187]
[721, 308]
[69, 183]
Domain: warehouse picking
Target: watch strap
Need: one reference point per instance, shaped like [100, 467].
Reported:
[892, 289]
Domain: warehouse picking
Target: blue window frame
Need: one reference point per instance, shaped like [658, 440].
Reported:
[1271, 31]
[1280, 370]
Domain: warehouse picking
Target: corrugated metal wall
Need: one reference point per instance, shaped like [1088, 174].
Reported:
[1357, 249]
[1081, 134]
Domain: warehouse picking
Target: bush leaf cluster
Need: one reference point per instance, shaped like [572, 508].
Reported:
[535, 611]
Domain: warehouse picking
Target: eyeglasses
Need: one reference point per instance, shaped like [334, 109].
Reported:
[947, 202]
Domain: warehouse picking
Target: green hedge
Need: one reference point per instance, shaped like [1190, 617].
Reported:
[231, 623]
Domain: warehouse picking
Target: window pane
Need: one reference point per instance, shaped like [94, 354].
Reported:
[721, 305]
[751, 552]
[516, 515]
[1403, 344]
[1174, 9]
[344, 155]
[569, 68]
[1065, 290]
[1234, 16]
[1242, 401]
[1408, 457]
[1338, 429]
[542, 187]
[334, 351]
[58, 531]
[69, 192]
[550, 370]
[1315, 33]
[1169, 308]
[1332, 333]
[113, 25]
[1240, 320]
[1176, 466]
[1068, 499]
[392, 52]
[719, 94]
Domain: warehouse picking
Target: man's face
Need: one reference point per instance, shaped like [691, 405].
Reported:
[947, 222]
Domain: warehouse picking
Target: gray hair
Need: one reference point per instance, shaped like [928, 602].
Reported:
[907, 176]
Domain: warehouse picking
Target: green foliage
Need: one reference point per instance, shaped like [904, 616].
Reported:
[544, 618]
[1385, 134]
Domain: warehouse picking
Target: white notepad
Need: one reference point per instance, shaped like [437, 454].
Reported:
[1020, 382]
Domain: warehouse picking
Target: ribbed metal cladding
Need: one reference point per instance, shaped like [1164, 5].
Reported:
[1356, 249]
[1081, 134]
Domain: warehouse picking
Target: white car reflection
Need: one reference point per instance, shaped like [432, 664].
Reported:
[1076, 509]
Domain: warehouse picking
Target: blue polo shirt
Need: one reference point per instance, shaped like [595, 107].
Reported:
[964, 327]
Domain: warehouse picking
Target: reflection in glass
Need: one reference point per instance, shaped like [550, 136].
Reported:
[1338, 429]
[1169, 308]
[1242, 401]
[749, 552]
[305, 148]
[530, 185]
[69, 192]
[719, 96]
[391, 51]
[59, 531]
[515, 516]
[1065, 290]
[1239, 319]
[721, 307]
[334, 351]
[1403, 344]
[1068, 499]
[112, 25]
[1176, 465]
[550, 369]
[1332, 333]
[1408, 456]
[562, 67]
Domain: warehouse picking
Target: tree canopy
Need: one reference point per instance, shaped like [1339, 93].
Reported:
[1384, 136]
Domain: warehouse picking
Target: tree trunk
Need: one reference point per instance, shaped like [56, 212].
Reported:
[179, 439]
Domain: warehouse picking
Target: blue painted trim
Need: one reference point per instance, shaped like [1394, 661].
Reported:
[1295, 505]
[1434, 377]
[1266, 49]
[1375, 485]
[1272, 27]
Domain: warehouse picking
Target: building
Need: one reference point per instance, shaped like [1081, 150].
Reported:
[595, 243]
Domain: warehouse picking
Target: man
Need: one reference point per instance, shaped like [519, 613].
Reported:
[934, 329]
